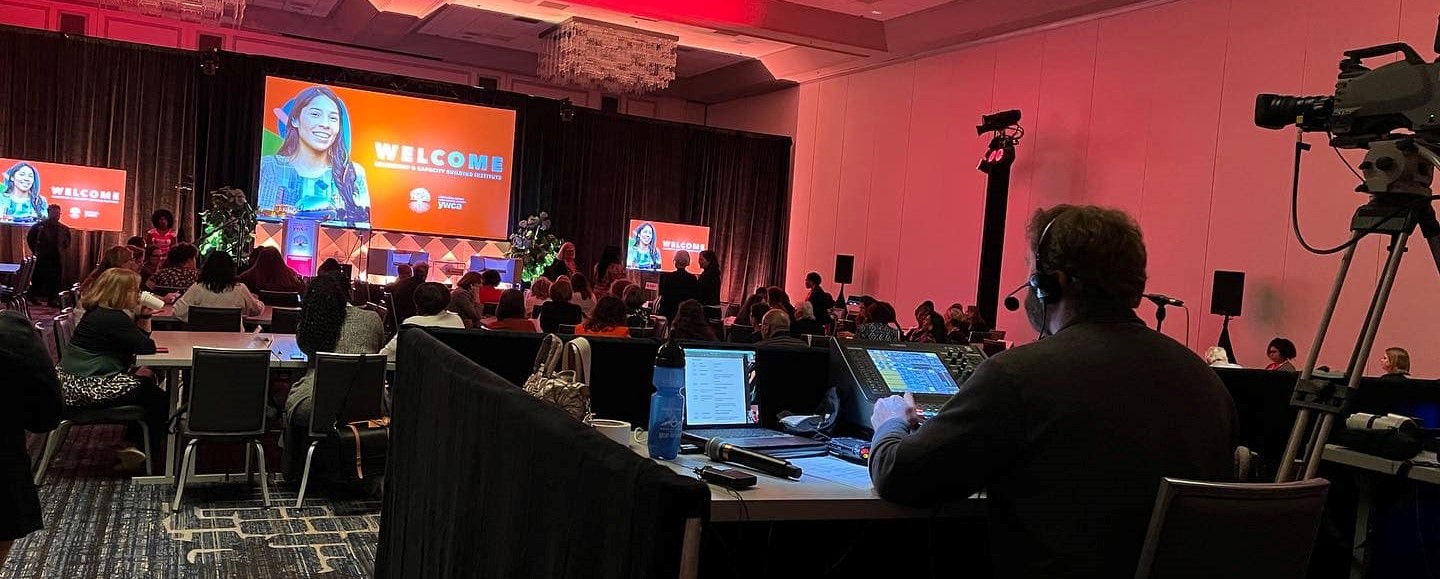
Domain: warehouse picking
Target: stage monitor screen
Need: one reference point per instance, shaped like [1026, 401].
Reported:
[355, 158]
[89, 197]
[651, 245]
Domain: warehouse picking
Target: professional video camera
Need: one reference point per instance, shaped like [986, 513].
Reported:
[1368, 104]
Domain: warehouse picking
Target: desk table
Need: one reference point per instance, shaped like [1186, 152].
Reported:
[1418, 469]
[284, 354]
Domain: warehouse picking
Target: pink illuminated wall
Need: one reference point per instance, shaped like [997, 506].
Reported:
[1150, 111]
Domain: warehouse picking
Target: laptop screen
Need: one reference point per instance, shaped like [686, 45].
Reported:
[716, 386]
[911, 371]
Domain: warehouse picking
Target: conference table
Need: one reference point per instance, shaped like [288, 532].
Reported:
[1424, 468]
[829, 489]
[178, 354]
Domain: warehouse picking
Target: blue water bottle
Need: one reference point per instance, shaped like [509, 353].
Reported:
[667, 405]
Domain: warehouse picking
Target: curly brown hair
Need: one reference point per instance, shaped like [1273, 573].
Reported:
[1101, 249]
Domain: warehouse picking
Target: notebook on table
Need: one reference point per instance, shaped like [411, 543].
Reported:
[718, 402]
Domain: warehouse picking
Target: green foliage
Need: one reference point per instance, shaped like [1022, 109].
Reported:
[534, 245]
[228, 223]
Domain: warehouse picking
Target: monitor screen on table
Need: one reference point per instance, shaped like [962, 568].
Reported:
[356, 158]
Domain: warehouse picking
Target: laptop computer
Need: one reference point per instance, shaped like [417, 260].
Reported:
[719, 401]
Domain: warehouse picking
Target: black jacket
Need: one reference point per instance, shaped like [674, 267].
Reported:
[1070, 437]
[553, 314]
[29, 400]
[709, 288]
[822, 302]
[675, 287]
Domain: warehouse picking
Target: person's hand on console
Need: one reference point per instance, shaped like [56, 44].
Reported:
[890, 407]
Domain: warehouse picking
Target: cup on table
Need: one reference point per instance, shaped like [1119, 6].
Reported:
[616, 430]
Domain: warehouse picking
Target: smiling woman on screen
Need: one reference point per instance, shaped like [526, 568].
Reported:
[643, 253]
[22, 202]
[312, 174]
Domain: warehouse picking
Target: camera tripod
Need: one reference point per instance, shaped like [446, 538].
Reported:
[1397, 174]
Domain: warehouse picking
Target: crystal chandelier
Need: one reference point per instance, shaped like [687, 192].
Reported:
[217, 12]
[599, 55]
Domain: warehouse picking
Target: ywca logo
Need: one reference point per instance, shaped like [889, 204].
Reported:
[74, 212]
[419, 200]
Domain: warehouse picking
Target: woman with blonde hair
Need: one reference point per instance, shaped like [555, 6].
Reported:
[98, 366]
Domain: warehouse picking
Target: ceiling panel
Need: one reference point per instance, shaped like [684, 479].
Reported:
[886, 9]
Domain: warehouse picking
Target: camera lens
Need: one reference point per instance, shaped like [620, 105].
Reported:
[1273, 111]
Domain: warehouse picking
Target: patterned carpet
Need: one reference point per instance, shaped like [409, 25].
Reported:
[99, 524]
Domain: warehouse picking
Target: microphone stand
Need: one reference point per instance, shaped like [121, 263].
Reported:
[1159, 316]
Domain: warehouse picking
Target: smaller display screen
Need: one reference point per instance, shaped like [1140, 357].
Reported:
[913, 372]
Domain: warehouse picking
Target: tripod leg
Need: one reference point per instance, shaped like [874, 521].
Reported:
[1286, 469]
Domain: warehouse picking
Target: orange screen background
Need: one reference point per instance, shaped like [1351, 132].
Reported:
[673, 237]
[71, 187]
[432, 125]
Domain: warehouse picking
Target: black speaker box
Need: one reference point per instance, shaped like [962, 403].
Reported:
[844, 268]
[1228, 293]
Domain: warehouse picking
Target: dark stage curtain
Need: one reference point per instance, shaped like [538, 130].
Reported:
[102, 104]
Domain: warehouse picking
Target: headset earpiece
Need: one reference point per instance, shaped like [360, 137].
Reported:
[1043, 284]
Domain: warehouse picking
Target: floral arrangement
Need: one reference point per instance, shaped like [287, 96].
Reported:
[534, 245]
[228, 223]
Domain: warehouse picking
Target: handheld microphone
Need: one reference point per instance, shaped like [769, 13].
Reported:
[1164, 300]
[1011, 303]
[719, 450]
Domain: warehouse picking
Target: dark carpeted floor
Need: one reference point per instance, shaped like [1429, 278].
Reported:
[99, 524]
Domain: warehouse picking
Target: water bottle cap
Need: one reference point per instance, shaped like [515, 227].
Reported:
[670, 355]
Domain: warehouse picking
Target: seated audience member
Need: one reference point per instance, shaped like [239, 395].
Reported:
[539, 293]
[330, 265]
[757, 313]
[805, 322]
[117, 256]
[269, 273]
[98, 368]
[1280, 352]
[1217, 357]
[431, 299]
[930, 328]
[921, 331]
[463, 302]
[1070, 457]
[690, 323]
[618, 287]
[559, 310]
[775, 330]
[637, 315]
[179, 270]
[581, 294]
[218, 288]
[879, 324]
[135, 242]
[489, 291]
[328, 323]
[677, 286]
[978, 323]
[957, 325]
[404, 292]
[402, 273]
[1395, 363]
[709, 288]
[743, 316]
[819, 299]
[607, 271]
[778, 299]
[607, 319]
[32, 403]
[154, 258]
[511, 314]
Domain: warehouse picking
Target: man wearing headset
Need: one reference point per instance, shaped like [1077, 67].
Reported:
[1070, 435]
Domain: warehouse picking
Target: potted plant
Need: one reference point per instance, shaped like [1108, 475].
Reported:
[534, 245]
[228, 223]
